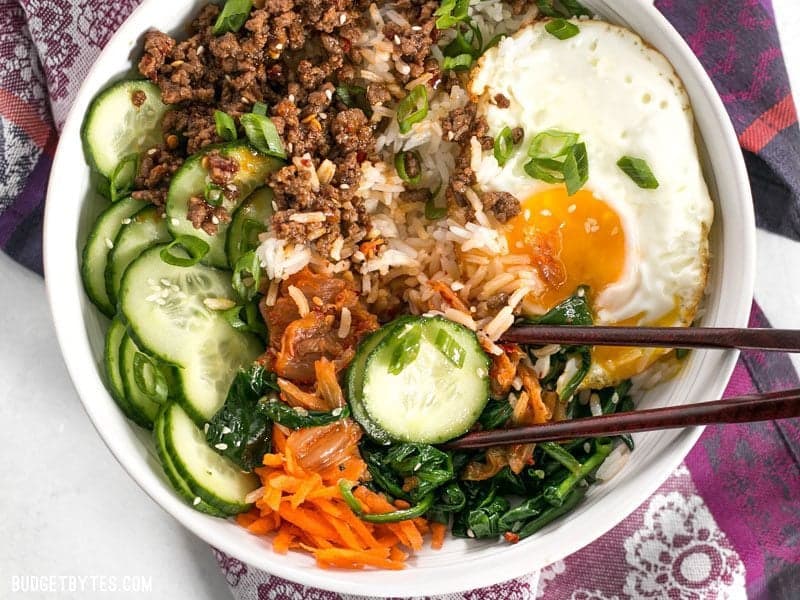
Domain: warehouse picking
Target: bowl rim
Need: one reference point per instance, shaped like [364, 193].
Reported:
[62, 275]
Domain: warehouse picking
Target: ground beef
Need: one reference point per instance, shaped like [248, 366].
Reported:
[517, 134]
[206, 217]
[377, 93]
[504, 205]
[156, 168]
[457, 126]
[352, 131]
[138, 97]
[156, 197]
[501, 101]
[412, 45]
[221, 169]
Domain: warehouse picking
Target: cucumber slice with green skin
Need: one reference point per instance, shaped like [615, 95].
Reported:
[427, 381]
[355, 380]
[209, 476]
[250, 219]
[116, 333]
[142, 404]
[178, 484]
[164, 307]
[98, 246]
[146, 228]
[115, 127]
[190, 181]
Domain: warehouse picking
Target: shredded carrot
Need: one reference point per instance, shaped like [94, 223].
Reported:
[305, 510]
[438, 531]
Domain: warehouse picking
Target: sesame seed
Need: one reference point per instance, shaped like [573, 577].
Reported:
[221, 446]
[397, 39]
[226, 430]
[126, 221]
[200, 50]
[417, 466]
[329, 94]
[344, 186]
[109, 243]
[336, 411]
[196, 501]
[587, 447]
[342, 19]
[527, 214]
[152, 151]
[174, 222]
[546, 213]
[470, 533]
[301, 411]
[205, 427]
[215, 220]
[571, 208]
[245, 100]
[278, 46]
[416, 28]
[165, 281]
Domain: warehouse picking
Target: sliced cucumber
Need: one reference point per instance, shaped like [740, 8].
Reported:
[178, 483]
[116, 333]
[142, 404]
[250, 219]
[146, 228]
[98, 245]
[355, 380]
[427, 381]
[166, 314]
[115, 127]
[209, 476]
[206, 379]
[190, 181]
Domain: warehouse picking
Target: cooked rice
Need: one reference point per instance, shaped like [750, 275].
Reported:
[300, 300]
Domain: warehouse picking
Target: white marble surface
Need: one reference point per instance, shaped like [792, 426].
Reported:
[67, 508]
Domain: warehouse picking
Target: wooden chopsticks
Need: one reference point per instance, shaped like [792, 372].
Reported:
[778, 340]
[744, 409]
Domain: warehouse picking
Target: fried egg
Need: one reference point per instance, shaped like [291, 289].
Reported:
[643, 252]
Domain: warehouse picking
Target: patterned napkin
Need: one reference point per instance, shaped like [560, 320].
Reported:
[726, 524]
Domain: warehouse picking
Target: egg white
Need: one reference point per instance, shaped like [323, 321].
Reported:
[623, 98]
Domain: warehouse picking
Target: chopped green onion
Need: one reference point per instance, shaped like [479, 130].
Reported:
[251, 323]
[465, 43]
[576, 168]
[452, 350]
[406, 350]
[226, 128]
[462, 62]
[413, 108]
[233, 16]
[548, 170]
[419, 509]
[259, 108]
[552, 144]
[434, 212]
[494, 41]
[149, 378]
[213, 194]
[194, 249]
[575, 8]
[402, 166]
[451, 12]
[247, 276]
[562, 8]
[354, 96]
[123, 177]
[261, 133]
[503, 146]
[562, 29]
[638, 170]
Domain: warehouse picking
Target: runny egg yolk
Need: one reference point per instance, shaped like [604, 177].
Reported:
[572, 241]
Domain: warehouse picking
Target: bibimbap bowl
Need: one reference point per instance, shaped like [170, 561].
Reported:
[462, 563]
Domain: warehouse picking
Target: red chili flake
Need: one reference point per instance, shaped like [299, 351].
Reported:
[511, 537]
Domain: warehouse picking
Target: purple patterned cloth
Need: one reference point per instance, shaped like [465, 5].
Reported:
[726, 524]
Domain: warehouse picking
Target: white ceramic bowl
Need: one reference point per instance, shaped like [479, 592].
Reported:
[461, 564]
